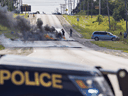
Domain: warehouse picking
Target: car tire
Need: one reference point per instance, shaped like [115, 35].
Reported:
[96, 39]
[113, 39]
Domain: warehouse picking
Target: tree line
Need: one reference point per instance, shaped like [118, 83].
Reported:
[116, 8]
[9, 3]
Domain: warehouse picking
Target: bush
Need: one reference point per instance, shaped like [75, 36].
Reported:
[116, 15]
[115, 26]
[82, 12]
[99, 19]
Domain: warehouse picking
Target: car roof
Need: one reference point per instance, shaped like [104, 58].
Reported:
[99, 31]
[24, 61]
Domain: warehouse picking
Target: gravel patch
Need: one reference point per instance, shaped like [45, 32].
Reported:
[86, 42]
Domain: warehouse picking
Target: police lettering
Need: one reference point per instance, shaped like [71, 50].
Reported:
[54, 80]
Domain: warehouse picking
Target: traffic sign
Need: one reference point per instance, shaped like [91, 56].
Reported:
[66, 10]
[96, 7]
[26, 8]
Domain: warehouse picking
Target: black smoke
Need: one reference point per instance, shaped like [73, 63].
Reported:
[35, 32]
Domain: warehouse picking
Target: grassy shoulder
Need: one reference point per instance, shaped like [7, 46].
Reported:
[25, 15]
[2, 47]
[87, 25]
[116, 45]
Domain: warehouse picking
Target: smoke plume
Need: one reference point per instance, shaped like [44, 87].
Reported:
[28, 31]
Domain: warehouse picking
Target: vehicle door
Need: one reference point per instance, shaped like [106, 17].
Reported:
[103, 35]
[109, 36]
[95, 34]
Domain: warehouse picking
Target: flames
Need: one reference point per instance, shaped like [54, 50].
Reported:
[48, 37]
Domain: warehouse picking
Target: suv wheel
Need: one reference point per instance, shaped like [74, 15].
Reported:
[113, 39]
[96, 39]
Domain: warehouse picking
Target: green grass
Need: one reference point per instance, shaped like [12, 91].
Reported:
[7, 31]
[116, 45]
[2, 47]
[87, 25]
[25, 15]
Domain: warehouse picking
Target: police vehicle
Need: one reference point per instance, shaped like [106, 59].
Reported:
[25, 76]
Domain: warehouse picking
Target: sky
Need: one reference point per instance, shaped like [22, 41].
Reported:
[47, 6]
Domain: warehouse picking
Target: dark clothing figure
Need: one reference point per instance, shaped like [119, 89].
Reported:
[70, 32]
[125, 35]
[120, 33]
[63, 33]
[59, 35]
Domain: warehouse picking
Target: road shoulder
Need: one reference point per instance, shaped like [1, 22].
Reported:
[86, 42]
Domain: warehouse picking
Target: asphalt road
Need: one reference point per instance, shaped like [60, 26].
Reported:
[70, 51]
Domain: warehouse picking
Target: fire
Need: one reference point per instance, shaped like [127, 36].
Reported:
[48, 37]
[63, 37]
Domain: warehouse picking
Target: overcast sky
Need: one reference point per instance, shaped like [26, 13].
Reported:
[47, 6]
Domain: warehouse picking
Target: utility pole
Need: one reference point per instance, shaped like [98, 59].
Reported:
[108, 15]
[91, 8]
[126, 15]
[73, 4]
[61, 8]
[99, 7]
[64, 8]
[83, 5]
[65, 5]
[70, 6]
[20, 4]
[80, 5]
[87, 7]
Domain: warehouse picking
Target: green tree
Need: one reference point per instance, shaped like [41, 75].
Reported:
[116, 15]
[119, 11]
[8, 3]
[99, 19]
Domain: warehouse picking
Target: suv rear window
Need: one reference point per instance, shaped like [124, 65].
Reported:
[97, 33]
[101, 33]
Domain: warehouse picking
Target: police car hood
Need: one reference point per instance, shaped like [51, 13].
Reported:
[14, 60]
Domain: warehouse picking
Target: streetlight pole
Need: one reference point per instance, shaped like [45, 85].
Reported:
[91, 7]
[108, 15]
[83, 4]
[99, 7]
[88, 7]
[126, 15]
[61, 8]
[65, 6]
[80, 5]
